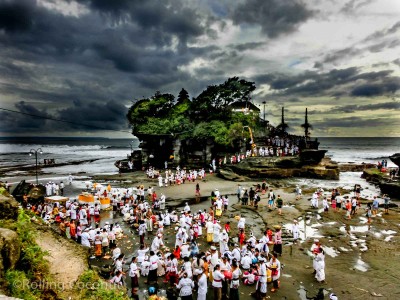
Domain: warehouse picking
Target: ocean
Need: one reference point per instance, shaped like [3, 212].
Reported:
[104, 152]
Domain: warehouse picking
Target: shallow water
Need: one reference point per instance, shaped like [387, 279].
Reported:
[360, 265]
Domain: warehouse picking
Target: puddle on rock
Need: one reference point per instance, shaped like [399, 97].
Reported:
[361, 265]
[332, 252]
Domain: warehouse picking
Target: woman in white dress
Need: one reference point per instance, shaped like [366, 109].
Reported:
[320, 265]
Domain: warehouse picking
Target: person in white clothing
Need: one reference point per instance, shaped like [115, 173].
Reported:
[202, 286]
[261, 287]
[157, 243]
[275, 266]
[236, 253]
[319, 260]
[134, 275]
[185, 286]
[246, 261]
[295, 230]
[223, 242]
[218, 277]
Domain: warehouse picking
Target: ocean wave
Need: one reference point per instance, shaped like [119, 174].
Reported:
[53, 149]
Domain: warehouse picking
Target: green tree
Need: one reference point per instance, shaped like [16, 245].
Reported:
[183, 96]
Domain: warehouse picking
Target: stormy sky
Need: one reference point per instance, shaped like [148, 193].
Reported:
[87, 61]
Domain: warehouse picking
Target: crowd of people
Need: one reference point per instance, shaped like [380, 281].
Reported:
[233, 255]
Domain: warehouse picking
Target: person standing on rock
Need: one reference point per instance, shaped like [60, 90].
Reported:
[133, 274]
[295, 230]
[375, 206]
[271, 199]
[239, 192]
[386, 199]
[279, 204]
[278, 241]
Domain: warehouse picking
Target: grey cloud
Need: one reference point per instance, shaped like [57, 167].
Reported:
[336, 83]
[16, 15]
[353, 6]
[355, 108]
[247, 46]
[97, 116]
[361, 122]
[390, 86]
[276, 17]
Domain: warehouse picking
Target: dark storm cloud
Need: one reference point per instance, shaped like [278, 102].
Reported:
[13, 122]
[336, 83]
[16, 16]
[372, 107]
[390, 86]
[98, 116]
[276, 17]
[354, 122]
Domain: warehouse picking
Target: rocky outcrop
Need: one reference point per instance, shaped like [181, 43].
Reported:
[387, 186]
[8, 208]
[10, 250]
[353, 167]
[279, 167]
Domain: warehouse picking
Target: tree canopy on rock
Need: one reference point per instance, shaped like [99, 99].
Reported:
[206, 116]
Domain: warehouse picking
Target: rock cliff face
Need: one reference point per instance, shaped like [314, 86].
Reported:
[392, 188]
[280, 167]
[10, 249]
[8, 208]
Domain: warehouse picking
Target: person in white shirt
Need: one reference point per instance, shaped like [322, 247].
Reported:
[216, 230]
[162, 201]
[295, 230]
[153, 268]
[241, 224]
[141, 254]
[142, 231]
[119, 262]
[186, 208]
[72, 212]
[157, 243]
[235, 282]
[133, 274]
[246, 261]
[261, 287]
[275, 266]
[218, 277]
[236, 253]
[202, 285]
[117, 279]
[85, 238]
[116, 253]
[210, 231]
[185, 286]
[185, 251]
[223, 242]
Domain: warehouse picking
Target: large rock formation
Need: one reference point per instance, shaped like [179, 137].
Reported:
[8, 208]
[387, 186]
[280, 167]
[10, 250]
